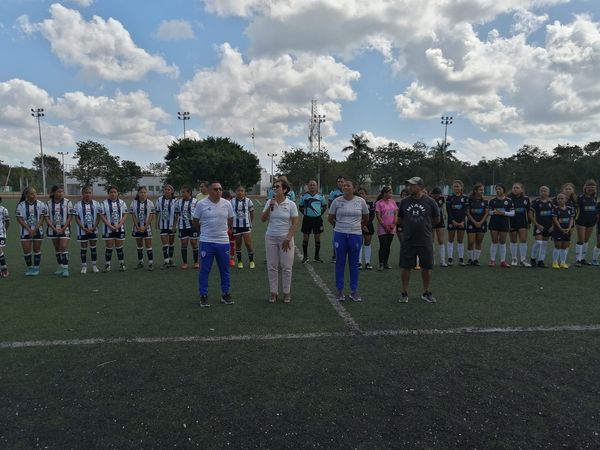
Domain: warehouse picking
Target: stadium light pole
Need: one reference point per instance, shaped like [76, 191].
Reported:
[21, 180]
[37, 113]
[272, 155]
[183, 116]
[447, 120]
[63, 154]
[318, 119]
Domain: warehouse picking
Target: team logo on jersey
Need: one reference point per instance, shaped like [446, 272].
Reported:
[185, 214]
[164, 214]
[115, 216]
[142, 217]
[506, 202]
[31, 220]
[57, 218]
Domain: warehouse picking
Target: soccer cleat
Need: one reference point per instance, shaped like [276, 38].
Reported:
[252, 265]
[533, 262]
[492, 263]
[165, 265]
[240, 265]
[504, 265]
[287, 298]
[403, 297]
[577, 263]
[450, 261]
[204, 301]
[83, 270]
[58, 271]
[428, 297]
[443, 264]
[121, 267]
[29, 272]
[231, 262]
[196, 265]
[95, 268]
[35, 271]
[541, 265]
[305, 260]
[470, 262]
[564, 266]
[584, 262]
[65, 273]
[514, 262]
[272, 297]
[555, 265]
[355, 297]
[140, 265]
[476, 263]
[360, 266]
[150, 267]
[368, 266]
[524, 263]
[333, 259]
[340, 296]
[4, 273]
[107, 268]
[388, 266]
[171, 263]
[183, 266]
[317, 259]
[595, 262]
[380, 268]
[226, 299]
[461, 262]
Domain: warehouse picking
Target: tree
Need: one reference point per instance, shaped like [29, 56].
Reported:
[53, 168]
[157, 169]
[190, 161]
[359, 161]
[394, 164]
[299, 165]
[93, 161]
[442, 159]
[124, 174]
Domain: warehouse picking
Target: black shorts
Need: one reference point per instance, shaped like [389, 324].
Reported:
[166, 231]
[409, 253]
[38, 236]
[312, 225]
[440, 224]
[241, 230]
[544, 232]
[53, 235]
[518, 223]
[188, 233]
[499, 225]
[118, 235]
[586, 221]
[453, 228]
[558, 236]
[471, 228]
[371, 229]
[87, 237]
[143, 235]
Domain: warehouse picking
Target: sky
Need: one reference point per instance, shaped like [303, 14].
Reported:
[509, 73]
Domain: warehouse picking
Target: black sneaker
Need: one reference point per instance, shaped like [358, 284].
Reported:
[368, 266]
[585, 263]
[226, 299]
[359, 266]
[476, 263]
[541, 265]
[461, 262]
[380, 268]
[333, 260]
[204, 301]
[305, 260]
[403, 297]
[317, 259]
[449, 261]
[533, 262]
[388, 266]
[577, 263]
[428, 297]
[470, 262]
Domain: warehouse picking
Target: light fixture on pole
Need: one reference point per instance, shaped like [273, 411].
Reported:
[21, 179]
[183, 116]
[37, 113]
[63, 154]
[447, 120]
[318, 119]
[272, 155]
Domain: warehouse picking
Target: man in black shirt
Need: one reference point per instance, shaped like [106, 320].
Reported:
[418, 214]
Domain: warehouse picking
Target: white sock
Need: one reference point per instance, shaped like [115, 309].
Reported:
[578, 251]
[555, 255]
[461, 250]
[442, 250]
[523, 250]
[471, 254]
[368, 254]
[585, 249]
[502, 252]
[493, 250]
[513, 250]
[563, 255]
[477, 254]
[596, 253]
[535, 250]
[450, 250]
[543, 247]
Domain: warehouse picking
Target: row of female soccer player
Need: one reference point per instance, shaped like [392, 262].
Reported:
[57, 215]
[511, 215]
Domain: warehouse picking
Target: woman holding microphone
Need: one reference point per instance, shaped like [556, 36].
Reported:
[282, 215]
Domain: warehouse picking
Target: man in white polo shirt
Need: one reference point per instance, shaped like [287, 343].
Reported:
[214, 216]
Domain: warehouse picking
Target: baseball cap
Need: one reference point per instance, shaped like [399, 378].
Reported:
[416, 180]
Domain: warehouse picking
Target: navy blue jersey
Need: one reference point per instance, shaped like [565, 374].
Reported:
[441, 201]
[563, 216]
[586, 207]
[543, 212]
[456, 207]
[503, 205]
[477, 208]
[371, 206]
[521, 204]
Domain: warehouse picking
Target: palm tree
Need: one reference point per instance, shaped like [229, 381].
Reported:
[359, 160]
[440, 155]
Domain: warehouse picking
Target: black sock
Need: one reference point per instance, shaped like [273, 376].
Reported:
[150, 254]
[2, 260]
[83, 253]
[165, 249]
[171, 251]
[184, 254]
[58, 258]
[28, 259]
[37, 258]
[64, 259]
[120, 254]
[140, 253]
[195, 254]
[108, 255]
[251, 256]
[317, 248]
[305, 248]
[238, 255]
[94, 254]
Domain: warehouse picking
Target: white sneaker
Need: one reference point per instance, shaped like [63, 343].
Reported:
[83, 269]
[524, 263]
[514, 262]
[95, 268]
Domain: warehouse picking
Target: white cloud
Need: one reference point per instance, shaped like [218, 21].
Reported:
[103, 49]
[25, 26]
[82, 3]
[473, 150]
[175, 30]
[527, 22]
[271, 95]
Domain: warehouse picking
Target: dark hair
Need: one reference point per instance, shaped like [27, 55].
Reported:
[186, 188]
[476, 186]
[86, 187]
[226, 194]
[436, 191]
[53, 190]
[404, 191]
[501, 185]
[383, 191]
[343, 177]
[172, 188]
[284, 185]
[204, 182]
[111, 187]
[137, 196]
[25, 192]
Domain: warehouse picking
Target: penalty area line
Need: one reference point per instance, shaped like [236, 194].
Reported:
[290, 336]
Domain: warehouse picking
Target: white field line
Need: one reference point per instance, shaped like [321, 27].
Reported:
[339, 308]
[290, 336]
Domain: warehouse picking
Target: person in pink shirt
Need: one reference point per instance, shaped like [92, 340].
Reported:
[386, 211]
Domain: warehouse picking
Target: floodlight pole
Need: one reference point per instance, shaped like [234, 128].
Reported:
[62, 154]
[272, 155]
[183, 116]
[318, 119]
[37, 113]
[447, 120]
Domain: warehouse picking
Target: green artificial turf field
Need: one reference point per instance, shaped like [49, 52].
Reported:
[258, 375]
